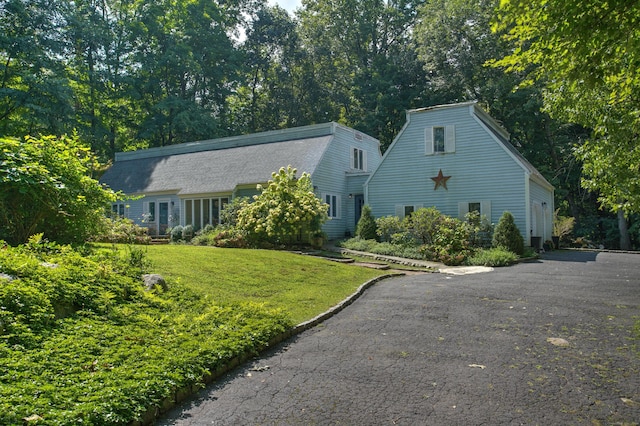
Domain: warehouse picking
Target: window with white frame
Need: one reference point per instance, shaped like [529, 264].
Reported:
[439, 140]
[405, 210]
[483, 207]
[358, 159]
[120, 209]
[333, 201]
[201, 212]
[149, 211]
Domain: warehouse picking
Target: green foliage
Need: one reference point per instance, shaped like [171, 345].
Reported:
[507, 235]
[492, 257]
[424, 224]
[95, 349]
[449, 238]
[121, 230]
[286, 211]
[387, 226]
[229, 212]
[47, 188]
[176, 233]
[451, 243]
[587, 81]
[480, 230]
[366, 228]
[562, 227]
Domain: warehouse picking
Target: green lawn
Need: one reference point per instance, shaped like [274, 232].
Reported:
[83, 342]
[303, 286]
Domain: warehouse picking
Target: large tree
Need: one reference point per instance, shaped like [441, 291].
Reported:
[366, 75]
[587, 53]
[35, 95]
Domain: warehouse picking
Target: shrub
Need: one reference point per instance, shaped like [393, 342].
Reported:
[366, 228]
[187, 232]
[230, 211]
[286, 211]
[121, 230]
[507, 235]
[387, 226]
[563, 227]
[423, 224]
[358, 244]
[47, 188]
[492, 257]
[480, 230]
[176, 233]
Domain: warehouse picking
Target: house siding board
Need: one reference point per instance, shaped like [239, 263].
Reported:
[478, 166]
[540, 195]
[332, 176]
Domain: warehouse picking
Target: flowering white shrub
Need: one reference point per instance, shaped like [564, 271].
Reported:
[285, 212]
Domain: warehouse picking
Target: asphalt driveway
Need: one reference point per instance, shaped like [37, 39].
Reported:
[549, 342]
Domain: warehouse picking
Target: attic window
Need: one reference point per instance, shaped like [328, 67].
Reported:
[439, 140]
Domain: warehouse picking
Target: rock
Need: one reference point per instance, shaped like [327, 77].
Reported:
[6, 277]
[557, 341]
[49, 265]
[153, 281]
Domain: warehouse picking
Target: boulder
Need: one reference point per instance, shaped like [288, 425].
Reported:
[154, 281]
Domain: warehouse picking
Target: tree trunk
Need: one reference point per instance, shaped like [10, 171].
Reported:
[625, 239]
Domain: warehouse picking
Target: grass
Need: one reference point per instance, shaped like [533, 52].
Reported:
[82, 342]
[303, 286]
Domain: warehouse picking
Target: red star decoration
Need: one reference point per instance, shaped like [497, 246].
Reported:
[440, 180]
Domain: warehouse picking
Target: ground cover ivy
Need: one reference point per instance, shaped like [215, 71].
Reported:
[82, 343]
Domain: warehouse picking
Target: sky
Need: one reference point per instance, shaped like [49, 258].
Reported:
[289, 5]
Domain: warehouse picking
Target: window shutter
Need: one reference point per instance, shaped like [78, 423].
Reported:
[485, 209]
[399, 211]
[463, 209]
[353, 158]
[364, 161]
[450, 139]
[145, 207]
[428, 141]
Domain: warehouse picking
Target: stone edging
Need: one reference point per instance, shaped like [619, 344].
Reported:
[182, 394]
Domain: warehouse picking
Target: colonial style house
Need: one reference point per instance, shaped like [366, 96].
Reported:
[459, 159]
[188, 184]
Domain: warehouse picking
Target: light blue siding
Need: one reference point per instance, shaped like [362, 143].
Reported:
[481, 170]
[334, 175]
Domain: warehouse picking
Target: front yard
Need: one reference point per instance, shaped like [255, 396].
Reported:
[81, 341]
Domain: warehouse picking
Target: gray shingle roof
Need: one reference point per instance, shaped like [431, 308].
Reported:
[214, 171]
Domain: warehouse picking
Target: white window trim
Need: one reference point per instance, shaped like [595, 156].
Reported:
[449, 140]
[125, 209]
[401, 207]
[485, 208]
[191, 219]
[358, 167]
[338, 206]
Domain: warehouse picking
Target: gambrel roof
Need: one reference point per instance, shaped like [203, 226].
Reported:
[220, 165]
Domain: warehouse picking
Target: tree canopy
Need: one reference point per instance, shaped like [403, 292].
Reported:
[587, 54]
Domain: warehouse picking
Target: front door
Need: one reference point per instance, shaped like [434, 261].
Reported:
[163, 217]
[359, 203]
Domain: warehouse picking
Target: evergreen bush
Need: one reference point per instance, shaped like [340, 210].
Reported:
[366, 228]
[507, 235]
